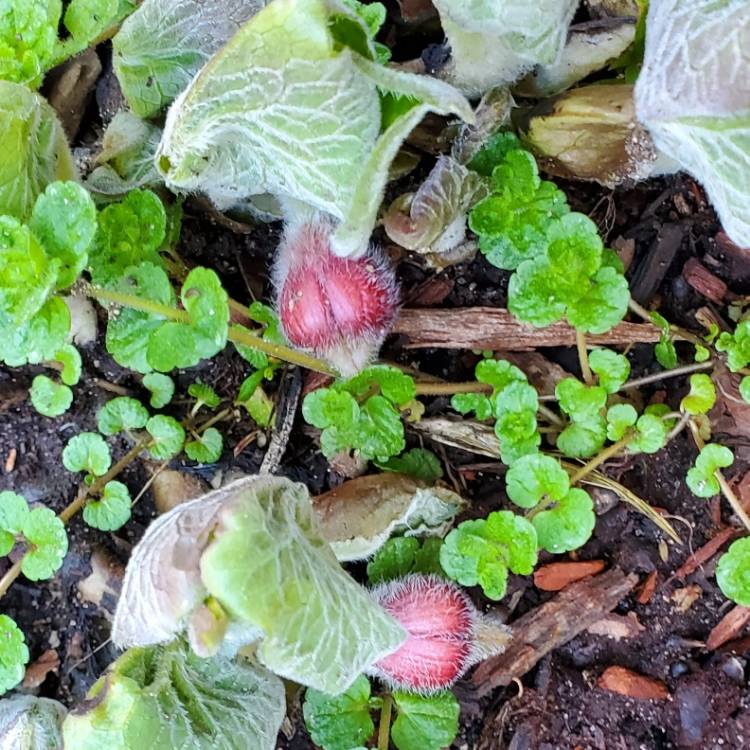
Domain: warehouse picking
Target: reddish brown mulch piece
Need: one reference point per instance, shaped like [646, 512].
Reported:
[552, 624]
[706, 552]
[729, 627]
[494, 328]
[626, 682]
[703, 281]
[37, 671]
[648, 588]
[556, 576]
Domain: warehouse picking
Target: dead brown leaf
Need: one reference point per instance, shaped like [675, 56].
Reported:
[626, 682]
[706, 552]
[648, 588]
[617, 626]
[37, 671]
[684, 598]
[729, 627]
[556, 576]
[731, 413]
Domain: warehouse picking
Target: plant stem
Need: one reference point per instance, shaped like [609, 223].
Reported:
[211, 422]
[448, 389]
[138, 303]
[676, 331]
[673, 373]
[11, 574]
[583, 358]
[551, 417]
[384, 730]
[726, 490]
[600, 458]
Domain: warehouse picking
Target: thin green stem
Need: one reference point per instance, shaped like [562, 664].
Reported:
[551, 417]
[223, 414]
[676, 331]
[583, 358]
[448, 389]
[384, 730]
[138, 303]
[600, 458]
[673, 373]
[10, 575]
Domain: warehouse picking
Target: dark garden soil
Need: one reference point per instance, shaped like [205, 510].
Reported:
[559, 704]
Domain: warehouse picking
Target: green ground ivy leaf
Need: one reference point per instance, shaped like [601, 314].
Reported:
[112, 511]
[13, 512]
[580, 402]
[87, 452]
[391, 383]
[465, 403]
[168, 436]
[49, 398]
[425, 722]
[121, 413]
[162, 46]
[533, 477]
[419, 463]
[611, 368]
[40, 338]
[176, 345]
[482, 551]
[70, 359]
[340, 722]
[48, 543]
[336, 413]
[402, 555]
[583, 439]
[204, 394]
[269, 567]
[733, 572]
[166, 697]
[736, 346]
[493, 152]
[129, 331]
[702, 395]
[603, 305]
[651, 434]
[620, 417]
[380, 431]
[255, 400]
[249, 142]
[161, 388]
[28, 35]
[207, 449]
[498, 373]
[568, 524]
[516, 426]
[745, 388]
[64, 222]
[512, 222]
[664, 351]
[130, 233]
[701, 477]
[533, 294]
[14, 654]
[35, 150]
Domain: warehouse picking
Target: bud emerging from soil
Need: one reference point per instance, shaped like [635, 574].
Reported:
[446, 633]
[338, 308]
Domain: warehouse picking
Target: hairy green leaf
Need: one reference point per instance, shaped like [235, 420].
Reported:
[31, 723]
[425, 722]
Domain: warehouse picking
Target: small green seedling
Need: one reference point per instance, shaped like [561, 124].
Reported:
[14, 654]
[701, 478]
[733, 572]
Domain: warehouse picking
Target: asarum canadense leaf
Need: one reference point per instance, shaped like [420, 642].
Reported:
[33, 149]
[446, 633]
[256, 548]
[358, 517]
[166, 697]
[31, 723]
[693, 95]
[291, 106]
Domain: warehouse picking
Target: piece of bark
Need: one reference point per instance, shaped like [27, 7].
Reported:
[37, 671]
[552, 624]
[706, 552]
[653, 267]
[633, 685]
[729, 627]
[431, 292]
[541, 373]
[496, 328]
[617, 626]
[556, 576]
[703, 281]
[648, 588]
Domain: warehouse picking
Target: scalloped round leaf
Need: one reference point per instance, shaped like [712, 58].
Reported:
[620, 417]
[49, 398]
[702, 395]
[701, 477]
[70, 359]
[418, 463]
[603, 306]
[207, 449]
[464, 403]
[580, 402]
[394, 385]
[339, 722]
[736, 346]
[568, 525]
[583, 439]
[533, 477]
[48, 541]
[651, 434]
[533, 295]
[380, 431]
[14, 654]
[733, 572]
[64, 221]
[161, 388]
[13, 512]
[168, 437]
[112, 511]
[611, 368]
[425, 722]
[39, 338]
[121, 413]
[89, 452]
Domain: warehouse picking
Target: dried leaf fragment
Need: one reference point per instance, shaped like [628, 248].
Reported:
[631, 684]
[556, 576]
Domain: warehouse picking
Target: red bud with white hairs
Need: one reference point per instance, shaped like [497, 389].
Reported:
[338, 308]
[446, 633]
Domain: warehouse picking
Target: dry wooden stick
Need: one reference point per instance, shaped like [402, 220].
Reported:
[552, 624]
[495, 328]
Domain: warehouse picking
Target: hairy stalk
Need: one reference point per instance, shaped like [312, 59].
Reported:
[673, 373]
[384, 730]
[583, 358]
[600, 458]
[726, 490]
[448, 389]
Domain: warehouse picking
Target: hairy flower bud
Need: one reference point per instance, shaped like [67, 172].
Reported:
[446, 633]
[338, 308]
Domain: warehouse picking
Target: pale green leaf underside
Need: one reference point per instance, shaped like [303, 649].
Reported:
[30, 723]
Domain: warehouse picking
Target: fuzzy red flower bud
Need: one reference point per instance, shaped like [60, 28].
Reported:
[446, 633]
[338, 308]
